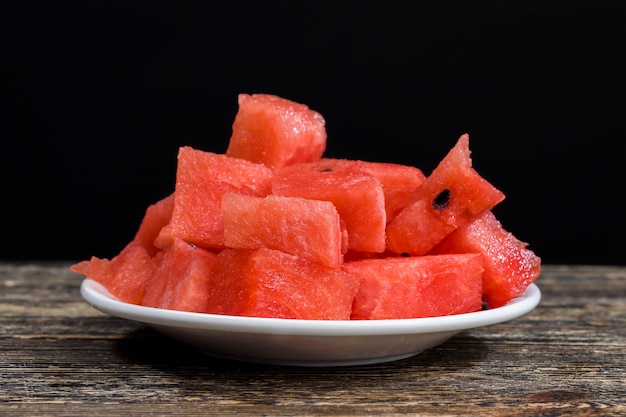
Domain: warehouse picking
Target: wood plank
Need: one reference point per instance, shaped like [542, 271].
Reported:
[59, 356]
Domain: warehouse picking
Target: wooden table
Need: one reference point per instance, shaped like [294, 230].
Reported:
[59, 356]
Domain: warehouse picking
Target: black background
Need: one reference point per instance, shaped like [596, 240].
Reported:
[97, 96]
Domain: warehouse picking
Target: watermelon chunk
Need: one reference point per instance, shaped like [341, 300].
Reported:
[157, 216]
[357, 195]
[276, 132]
[510, 267]
[181, 278]
[271, 283]
[125, 276]
[453, 195]
[413, 287]
[398, 181]
[302, 227]
[201, 180]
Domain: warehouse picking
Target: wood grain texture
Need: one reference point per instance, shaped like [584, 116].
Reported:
[61, 357]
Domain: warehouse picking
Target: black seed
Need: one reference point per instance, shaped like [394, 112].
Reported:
[441, 201]
[329, 169]
[191, 244]
[404, 254]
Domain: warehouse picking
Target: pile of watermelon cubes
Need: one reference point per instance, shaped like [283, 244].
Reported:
[272, 228]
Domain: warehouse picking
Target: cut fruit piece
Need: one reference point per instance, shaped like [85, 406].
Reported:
[181, 278]
[157, 216]
[125, 276]
[413, 287]
[271, 283]
[201, 180]
[510, 267]
[276, 132]
[398, 181]
[302, 227]
[453, 195]
[357, 195]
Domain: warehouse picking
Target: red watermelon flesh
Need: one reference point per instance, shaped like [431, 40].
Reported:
[157, 216]
[398, 181]
[181, 278]
[413, 287]
[510, 267]
[276, 132]
[271, 283]
[357, 195]
[454, 194]
[303, 227]
[201, 180]
[125, 276]
[460, 253]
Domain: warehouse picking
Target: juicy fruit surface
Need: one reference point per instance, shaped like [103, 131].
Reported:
[453, 195]
[420, 286]
[358, 196]
[125, 275]
[181, 278]
[510, 266]
[271, 283]
[157, 216]
[201, 180]
[276, 132]
[272, 228]
[300, 226]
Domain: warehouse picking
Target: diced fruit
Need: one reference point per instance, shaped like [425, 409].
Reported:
[303, 227]
[124, 276]
[358, 196]
[454, 194]
[510, 267]
[271, 283]
[276, 132]
[413, 287]
[181, 278]
[272, 228]
[398, 180]
[201, 180]
[157, 216]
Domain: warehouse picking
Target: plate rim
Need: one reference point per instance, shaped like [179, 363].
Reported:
[99, 298]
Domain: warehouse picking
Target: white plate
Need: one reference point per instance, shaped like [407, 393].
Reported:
[306, 342]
